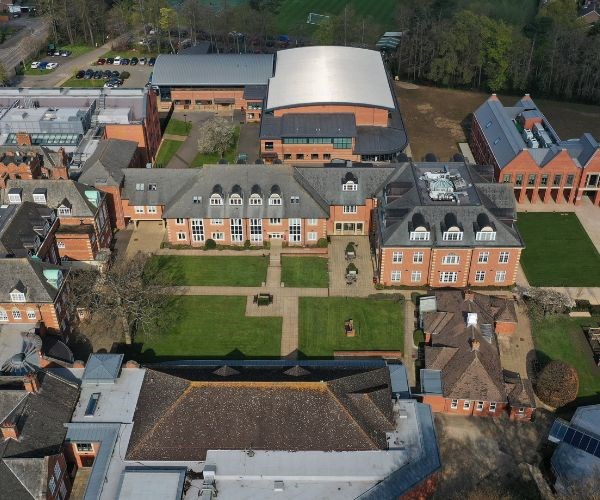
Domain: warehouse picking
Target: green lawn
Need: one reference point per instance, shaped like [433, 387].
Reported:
[304, 272]
[561, 337]
[213, 327]
[558, 251]
[81, 83]
[178, 127]
[167, 150]
[76, 49]
[212, 158]
[379, 325]
[211, 270]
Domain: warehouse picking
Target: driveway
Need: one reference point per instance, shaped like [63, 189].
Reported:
[189, 149]
[146, 237]
[248, 142]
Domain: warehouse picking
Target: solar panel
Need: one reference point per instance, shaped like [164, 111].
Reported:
[562, 431]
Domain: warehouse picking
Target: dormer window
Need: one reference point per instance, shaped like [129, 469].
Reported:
[17, 296]
[294, 199]
[453, 234]
[274, 199]
[139, 186]
[15, 195]
[486, 233]
[255, 199]
[197, 199]
[235, 199]
[216, 199]
[420, 234]
[349, 186]
[39, 195]
[63, 210]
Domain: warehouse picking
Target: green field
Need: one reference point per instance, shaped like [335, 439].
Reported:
[304, 272]
[81, 83]
[178, 127]
[168, 148]
[213, 327]
[558, 251]
[561, 337]
[210, 270]
[379, 325]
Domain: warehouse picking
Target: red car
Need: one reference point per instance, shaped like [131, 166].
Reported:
[101, 61]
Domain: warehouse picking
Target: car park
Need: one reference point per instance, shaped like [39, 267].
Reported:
[142, 60]
[52, 65]
[117, 60]
[134, 61]
[42, 65]
[80, 74]
[97, 75]
[56, 52]
[101, 61]
[65, 53]
[125, 61]
[35, 64]
[115, 74]
[107, 74]
[110, 60]
[151, 61]
[89, 74]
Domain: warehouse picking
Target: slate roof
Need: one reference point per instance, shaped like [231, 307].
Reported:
[50, 159]
[19, 227]
[102, 368]
[308, 125]
[27, 273]
[107, 164]
[57, 191]
[255, 92]
[466, 372]
[41, 416]
[179, 420]
[168, 183]
[212, 70]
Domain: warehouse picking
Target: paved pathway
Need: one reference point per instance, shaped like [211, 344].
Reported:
[338, 264]
[189, 149]
[410, 351]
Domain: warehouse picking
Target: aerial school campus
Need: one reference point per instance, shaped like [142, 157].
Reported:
[314, 310]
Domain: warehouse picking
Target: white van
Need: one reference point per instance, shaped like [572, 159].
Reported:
[117, 60]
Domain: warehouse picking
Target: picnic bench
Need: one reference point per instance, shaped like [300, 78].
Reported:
[263, 299]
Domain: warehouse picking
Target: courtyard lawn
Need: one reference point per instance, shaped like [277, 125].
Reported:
[304, 272]
[81, 83]
[379, 325]
[167, 150]
[213, 158]
[558, 251]
[212, 270]
[561, 337]
[178, 127]
[213, 327]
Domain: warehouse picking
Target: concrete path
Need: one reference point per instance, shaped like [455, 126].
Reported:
[248, 142]
[338, 264]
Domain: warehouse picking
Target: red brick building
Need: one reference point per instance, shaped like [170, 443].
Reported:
[84, 223]
[463, 373]
[527, 153]
[34, 292]
[32, 162]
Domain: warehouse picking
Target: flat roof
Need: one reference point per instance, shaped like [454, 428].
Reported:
[329, 75]
[212, 70]
[152, 483]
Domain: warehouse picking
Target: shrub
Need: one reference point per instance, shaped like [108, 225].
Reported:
[582, 305]
[414, 298]
[418, 336]
[210, 244]
[247, 244]
[595, 310]
[351, 267]
[124, 75]
[557, 384]
[322, 243]
[350, 247]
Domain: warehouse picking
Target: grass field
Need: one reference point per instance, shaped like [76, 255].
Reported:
[379, 325]
[561, 337]
[167, 150]
[213, 327]
[85, 84]
[210, 270]
[212, 158]
[436, 119]
[304, 272]
[178, 127]
[558, 251]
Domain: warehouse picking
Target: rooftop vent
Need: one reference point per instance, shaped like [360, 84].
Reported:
[471, 319]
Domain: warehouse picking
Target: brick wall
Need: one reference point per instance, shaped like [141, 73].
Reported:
[316, 153]
[364, 115]
[440, 404]
[58, 480]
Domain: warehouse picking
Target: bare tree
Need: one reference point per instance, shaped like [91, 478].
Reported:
[129, 291]
[545, 301]
[216, 136]
[557, 384]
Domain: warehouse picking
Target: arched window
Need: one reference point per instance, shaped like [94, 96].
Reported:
[255, 199]
[274, 199]
[216, 199]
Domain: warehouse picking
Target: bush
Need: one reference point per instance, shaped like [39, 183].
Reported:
[350, 247]
[351, 267]
[418, 336]
[210, 244]
[595, 310]
[557, 384]
[124, 75]
[414, 298]
[247, 244]
[582, 306]
[322, 243]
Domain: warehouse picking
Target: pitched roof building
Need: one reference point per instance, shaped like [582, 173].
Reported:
[463, 372]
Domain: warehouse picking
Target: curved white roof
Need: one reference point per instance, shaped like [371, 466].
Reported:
[329, 74]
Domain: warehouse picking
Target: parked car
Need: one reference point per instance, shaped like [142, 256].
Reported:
[124, 61]
[134, 61]
[42, 65]
[107, 74]
[89, 74]
[113, 82]
[50, 52]
[52, 65]
[142, 60]
[117, 60]
[35, 64]
[151, 61]
[56, 52]
[97, 75]
[101, 61]
[115, 74]
[65, 53]
[80, 74]
[110, 60]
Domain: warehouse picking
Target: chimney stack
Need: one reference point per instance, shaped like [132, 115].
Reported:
[9, 430]
[475, 345]
[469, 295]
[23, 139]
[31, 383]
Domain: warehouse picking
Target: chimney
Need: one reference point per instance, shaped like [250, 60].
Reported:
[23, 139]
[31, 383]
[132, 364]
[469, 295]
[9, 430]
[475, 345]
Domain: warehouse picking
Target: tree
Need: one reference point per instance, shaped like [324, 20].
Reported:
[545, 301]
[128, 291]
[167, 22]
[4, 79]
[216, 136]
[557, 384]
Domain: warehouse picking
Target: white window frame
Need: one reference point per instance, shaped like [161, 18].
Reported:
[294, 200]
[349, 209]
[31, 314]
[479, 406]
[454, 404]
[312, 222]
[483, 257]
[152, 186]
[139, 186]
[485, 236]
[420, 235]
[492, 408]
[238, 236]
[415, 276]
[181, 236]
[397, 257]
[256, 231]
[179, 221]
[16, 314]
[418, 257]
[255, 199]
[218, 236]
[39, 198]
[216, 199]
[349, 186]
[312, 236]
[295, 230]
[466, 404]
[60, 244]
[3, 315]
[17, 297]
[503, 257]
[152, 209]
[274, 199]
[521, 410]
[139, 210]
[452, 236]
[448, 276]
[216, 222]
[275, 221]
[197, 199]
[479, 276]
[396, 276]
[236, 200]
[14, 198]
[64, 210]
[500, 277]
[451, 259]
[197, 226]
